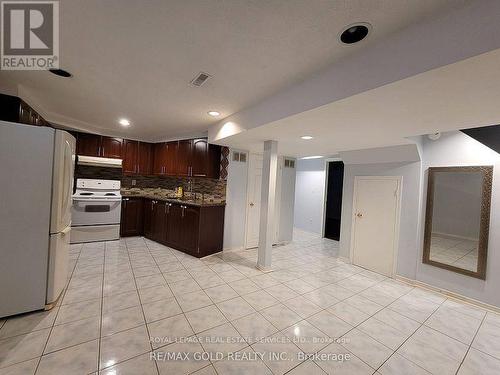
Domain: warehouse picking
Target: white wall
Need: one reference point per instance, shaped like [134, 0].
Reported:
[309, 195]
[236, 204]
[409, 225]
[458, 149]
[287, 199]
[452, 149]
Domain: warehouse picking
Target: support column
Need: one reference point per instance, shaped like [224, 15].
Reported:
[266, 229]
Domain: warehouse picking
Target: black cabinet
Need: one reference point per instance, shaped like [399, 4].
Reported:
[14, 109]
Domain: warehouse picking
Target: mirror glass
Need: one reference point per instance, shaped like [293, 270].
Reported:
[457, 218]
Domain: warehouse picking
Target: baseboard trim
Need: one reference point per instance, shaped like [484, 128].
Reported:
[445, 292]
[231, 249]
[457, 296]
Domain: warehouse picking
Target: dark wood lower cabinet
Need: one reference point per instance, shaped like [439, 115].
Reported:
[148, 218]
[131, 217]
[195, 230]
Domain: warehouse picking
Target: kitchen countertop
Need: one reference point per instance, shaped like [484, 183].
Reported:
[166, 198]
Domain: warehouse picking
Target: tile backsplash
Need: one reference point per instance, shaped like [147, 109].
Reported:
[210, 187]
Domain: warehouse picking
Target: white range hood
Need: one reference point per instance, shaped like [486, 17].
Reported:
[99, 162]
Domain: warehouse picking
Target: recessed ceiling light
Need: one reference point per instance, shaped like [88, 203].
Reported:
[306, 137]
[213, 113]
[355, 33]
[312, 157]
[60, 73]
[124, 122]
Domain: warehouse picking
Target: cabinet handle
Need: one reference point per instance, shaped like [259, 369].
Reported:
[166, 208]
[183, 207]
[126, 199]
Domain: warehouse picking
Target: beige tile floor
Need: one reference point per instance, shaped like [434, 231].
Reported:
[456, 252]
[133, 297]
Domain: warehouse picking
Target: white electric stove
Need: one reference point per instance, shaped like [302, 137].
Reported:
[96, 211]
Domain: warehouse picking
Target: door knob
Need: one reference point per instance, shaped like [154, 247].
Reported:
[359, 214]
[251, 205]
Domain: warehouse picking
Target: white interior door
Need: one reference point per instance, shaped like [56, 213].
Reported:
[253, 200]
[375, 223]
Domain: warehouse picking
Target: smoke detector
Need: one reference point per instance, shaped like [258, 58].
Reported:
[200, 79]
[434, 136]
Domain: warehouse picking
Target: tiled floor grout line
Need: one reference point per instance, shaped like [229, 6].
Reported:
[174, 296]
[470, 345]
[410, 336]
[140, 303]
[316, 274]
[99, 343]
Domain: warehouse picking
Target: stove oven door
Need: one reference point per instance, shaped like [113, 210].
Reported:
[88, 211]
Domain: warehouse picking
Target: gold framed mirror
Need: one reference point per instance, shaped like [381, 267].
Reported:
[457, 219]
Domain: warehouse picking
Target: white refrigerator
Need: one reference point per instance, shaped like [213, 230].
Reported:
[36, 184]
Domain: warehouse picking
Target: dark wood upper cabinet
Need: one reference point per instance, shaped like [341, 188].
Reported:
[144, 158]
[199, 158]
[159, 150]
[184, 157]
[130, 156]
[88, 144]
[96, 145]
[111, 147]
[14, 109]
[136, 157]
[170, 158]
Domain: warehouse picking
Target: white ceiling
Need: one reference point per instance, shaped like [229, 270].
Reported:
[134, 59]
[456, 96]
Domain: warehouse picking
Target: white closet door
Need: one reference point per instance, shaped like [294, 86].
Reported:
[375, 223]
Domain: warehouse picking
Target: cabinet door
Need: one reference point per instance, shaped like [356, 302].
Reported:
[131, 218]
[159, 221]
[190, 229]
[184, 151]
[130, 155]
[171, 158]
[174, 225]
[148, 218]
[158, 158]
[199, 158]
[88, 144]
[111, 147]
[144, 159]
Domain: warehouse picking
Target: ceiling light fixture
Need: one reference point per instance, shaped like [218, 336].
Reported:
[355, 33]
[306, 137]
[312, 157]
[213, 113]
[124, 122]
[60, 73]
